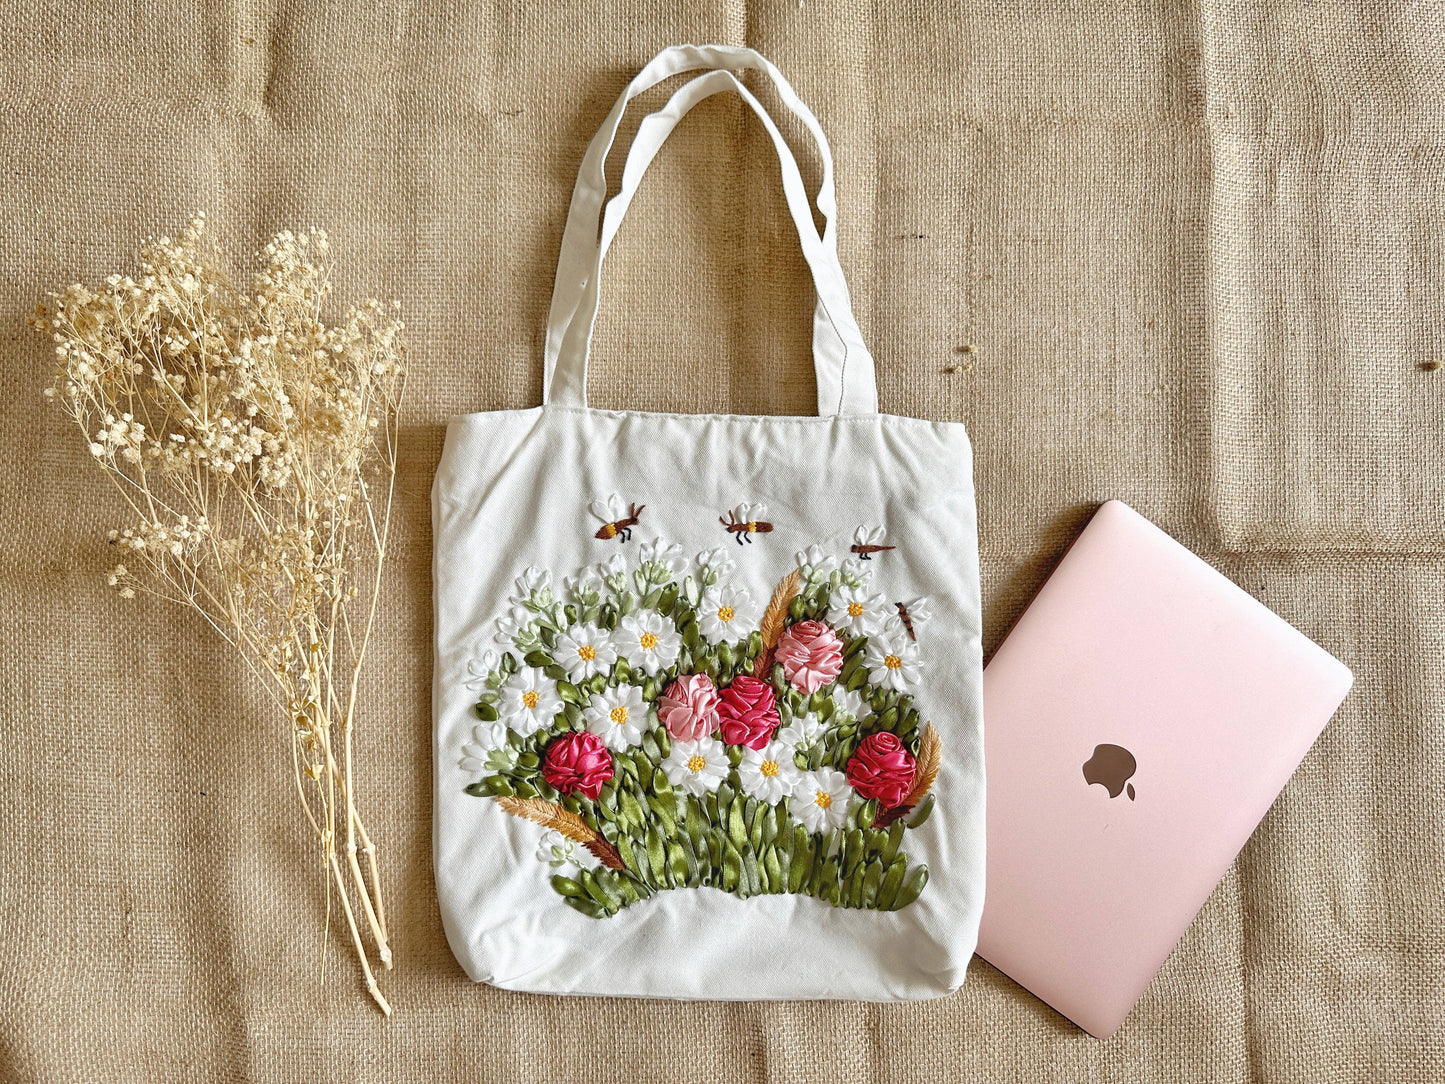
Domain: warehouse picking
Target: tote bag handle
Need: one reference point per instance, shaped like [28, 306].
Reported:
[843, 365]
[827, 342]
[580, 235]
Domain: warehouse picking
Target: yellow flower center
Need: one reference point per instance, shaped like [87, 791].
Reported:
[822, 800]
[696, 763]
[725, 614]
[587, 653]
[855, 609]
[530, 698]
[769, 768]
[893, 662]
[618, 714]
[648, 641]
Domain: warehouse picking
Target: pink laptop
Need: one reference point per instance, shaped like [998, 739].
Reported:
[1141, 717]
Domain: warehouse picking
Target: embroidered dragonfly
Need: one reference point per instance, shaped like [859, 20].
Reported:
[617, 518]
[867, 541]
[746, 520]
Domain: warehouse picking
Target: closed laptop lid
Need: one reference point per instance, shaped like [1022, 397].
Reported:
[1141, 717]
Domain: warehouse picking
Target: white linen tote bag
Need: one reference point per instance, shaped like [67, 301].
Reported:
[708, 708]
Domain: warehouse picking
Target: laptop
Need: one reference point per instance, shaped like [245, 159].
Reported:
[1141, 717]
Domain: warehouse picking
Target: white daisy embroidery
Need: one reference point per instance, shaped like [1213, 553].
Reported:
[648, 641]
[851, 702]
[479, 670]
[514, 624]
[585, 650]
[533, 581]
[615, 565]
[803, 731]
[528, 701]
[559, 852]
[486, 738]
[618, 716]
[726, 613]
[697, 766]
[860, 611]
[892, 660]
[857, 572]
[613, 574]
[768, 774]
[716, 561]
[816, 563]
[583, 586]
[820, 799]
[662, 557]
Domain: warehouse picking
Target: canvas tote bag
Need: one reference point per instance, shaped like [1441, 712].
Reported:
[707, 688]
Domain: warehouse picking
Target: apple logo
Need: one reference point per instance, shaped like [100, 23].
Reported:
[1111, 767]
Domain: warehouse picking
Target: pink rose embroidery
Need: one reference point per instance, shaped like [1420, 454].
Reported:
[811, 655]
[577, 764]
[748, 712]
[882, 768]
[688, 707]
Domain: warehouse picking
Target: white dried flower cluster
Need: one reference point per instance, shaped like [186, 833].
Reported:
[197, 396]
[160, 540]
[255, 445]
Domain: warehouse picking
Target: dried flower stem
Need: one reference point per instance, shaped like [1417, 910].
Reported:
[247, 437]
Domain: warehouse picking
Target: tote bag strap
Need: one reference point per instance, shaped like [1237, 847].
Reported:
[580, 234]
[837, 361]
[844, 367]
[653, 132]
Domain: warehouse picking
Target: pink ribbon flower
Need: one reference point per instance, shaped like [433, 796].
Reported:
[688, 707]
[811, 655]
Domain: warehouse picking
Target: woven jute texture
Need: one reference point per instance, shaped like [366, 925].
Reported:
[1197, 252]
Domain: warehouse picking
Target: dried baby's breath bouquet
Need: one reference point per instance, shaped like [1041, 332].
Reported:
[256, 448]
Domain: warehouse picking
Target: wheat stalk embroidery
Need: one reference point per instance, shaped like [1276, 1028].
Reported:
[565, 823]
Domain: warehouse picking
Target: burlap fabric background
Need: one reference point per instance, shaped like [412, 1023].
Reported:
[1199, 251]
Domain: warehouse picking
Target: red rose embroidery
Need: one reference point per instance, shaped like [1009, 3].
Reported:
[882, 768]
[748, 712]
[577, 764]
[811, 655]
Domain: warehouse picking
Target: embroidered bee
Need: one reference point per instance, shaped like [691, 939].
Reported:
[745, 520]
[617, 519]
[867, 541]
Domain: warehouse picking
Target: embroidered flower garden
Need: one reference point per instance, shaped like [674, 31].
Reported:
[669, 732]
